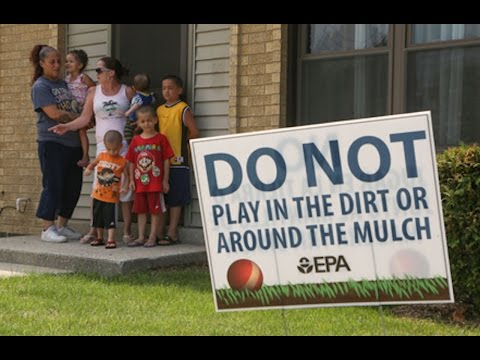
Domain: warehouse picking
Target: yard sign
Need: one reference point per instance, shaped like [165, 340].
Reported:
[345, 213]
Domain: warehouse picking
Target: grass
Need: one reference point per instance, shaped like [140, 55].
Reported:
[176, 302]
[402, 288]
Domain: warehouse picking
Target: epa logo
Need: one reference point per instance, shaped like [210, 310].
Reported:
[323, 264]
[304, 266]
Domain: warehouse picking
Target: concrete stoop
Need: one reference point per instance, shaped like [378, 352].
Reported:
[9, 269]
[75, 257]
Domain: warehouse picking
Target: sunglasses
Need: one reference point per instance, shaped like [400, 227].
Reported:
[101, 70]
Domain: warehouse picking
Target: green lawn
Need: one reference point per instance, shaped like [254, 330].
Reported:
[175, 302]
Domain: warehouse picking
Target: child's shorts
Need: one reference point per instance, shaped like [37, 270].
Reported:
[180, 193]
[103, 215]
[149, 202]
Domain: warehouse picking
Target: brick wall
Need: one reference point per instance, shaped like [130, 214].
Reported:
[19, 168]
[258, 58]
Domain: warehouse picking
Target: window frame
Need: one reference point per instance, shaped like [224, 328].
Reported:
[302, 56]
[399, 47]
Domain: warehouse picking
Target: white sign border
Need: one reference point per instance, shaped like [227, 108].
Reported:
[194, 142]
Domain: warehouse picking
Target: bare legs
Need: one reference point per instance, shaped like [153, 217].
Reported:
[175, 213]
[142, 225]
[127, 218]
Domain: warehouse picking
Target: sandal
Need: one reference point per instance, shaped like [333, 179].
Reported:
[167, 241]
[111, 245]
[136, 243]
[127, 239]
[97, 242]
[149, 244]
[87, 239]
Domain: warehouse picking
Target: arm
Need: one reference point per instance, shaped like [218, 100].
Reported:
[82, 120]
[126, 184]
[56, 114]
[90, 167]
[130, 93]
[87, 80]
[191, 125]
[132, 109]
[135, 102]
[131, 168]
[166, 175]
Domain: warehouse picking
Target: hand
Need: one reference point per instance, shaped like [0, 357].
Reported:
[87, 172]
[166, 187]
[59, 129]
[123, 190]
[132, 185]
[91, 124]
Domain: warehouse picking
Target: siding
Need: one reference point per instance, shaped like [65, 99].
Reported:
[211, 91]
[94, 39]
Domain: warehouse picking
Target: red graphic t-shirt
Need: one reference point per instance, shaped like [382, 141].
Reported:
[148, 156]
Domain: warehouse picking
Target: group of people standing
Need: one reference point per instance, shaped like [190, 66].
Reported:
[146, 176]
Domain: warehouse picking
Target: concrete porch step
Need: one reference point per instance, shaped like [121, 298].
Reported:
[75, 257]
[7, 269]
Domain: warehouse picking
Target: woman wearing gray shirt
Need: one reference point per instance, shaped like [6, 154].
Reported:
[58, 155]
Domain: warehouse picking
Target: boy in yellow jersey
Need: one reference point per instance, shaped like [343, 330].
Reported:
[177, 123]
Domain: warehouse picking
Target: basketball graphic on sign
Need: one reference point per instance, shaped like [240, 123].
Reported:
[244, 275]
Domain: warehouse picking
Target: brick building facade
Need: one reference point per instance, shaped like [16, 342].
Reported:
[19, 168]
[250, 77]
[257, 77]
[255, 102]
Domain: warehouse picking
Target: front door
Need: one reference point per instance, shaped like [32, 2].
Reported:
[155, 49]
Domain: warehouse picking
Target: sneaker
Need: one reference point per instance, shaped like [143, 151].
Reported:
[51, 235]
[69, 233]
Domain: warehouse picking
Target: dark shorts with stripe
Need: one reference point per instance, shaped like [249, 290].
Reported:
[180, 193]
[103, 215]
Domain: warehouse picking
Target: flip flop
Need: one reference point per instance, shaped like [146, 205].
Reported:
[168, 241]
[87, 239]
[149, 244]
[97, 242]
[111, 245]
[135, 243]
[127, 239]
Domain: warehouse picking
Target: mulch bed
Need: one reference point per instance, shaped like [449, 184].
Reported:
[458, 314]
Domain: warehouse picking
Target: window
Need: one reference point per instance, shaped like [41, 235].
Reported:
[347, 71]
[445, 79]
[343, 72]
[344, 37]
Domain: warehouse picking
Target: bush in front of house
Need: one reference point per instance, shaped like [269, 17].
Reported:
[459, 173]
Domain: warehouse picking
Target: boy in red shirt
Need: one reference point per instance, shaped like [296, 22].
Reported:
[149, 156]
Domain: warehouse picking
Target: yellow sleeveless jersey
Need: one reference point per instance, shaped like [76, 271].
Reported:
[170, 121]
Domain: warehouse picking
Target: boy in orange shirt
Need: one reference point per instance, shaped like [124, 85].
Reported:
[106, 193]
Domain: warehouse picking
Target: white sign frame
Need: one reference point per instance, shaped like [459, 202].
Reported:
[271, 199]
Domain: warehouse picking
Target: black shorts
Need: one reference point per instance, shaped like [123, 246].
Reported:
[180, 193]
[103, 215]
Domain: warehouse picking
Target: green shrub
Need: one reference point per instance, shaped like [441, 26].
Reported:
[459, 172]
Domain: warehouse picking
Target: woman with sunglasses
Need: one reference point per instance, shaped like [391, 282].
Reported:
[108, 101]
